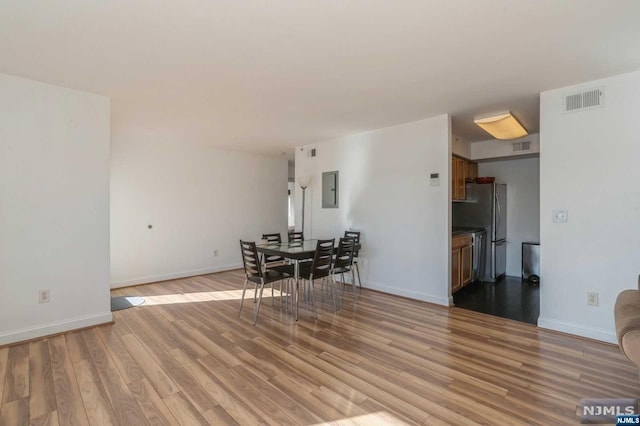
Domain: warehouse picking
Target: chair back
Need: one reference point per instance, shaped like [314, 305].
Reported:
[356, 236]
[250, 259]
[323, 258]
[344, 257]
[272, 239]
[295, 237]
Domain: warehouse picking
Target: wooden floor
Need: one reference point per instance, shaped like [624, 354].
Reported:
[185, 358]
[510, 297]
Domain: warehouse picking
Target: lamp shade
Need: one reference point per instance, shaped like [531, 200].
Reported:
[501, 125]
[304, 181]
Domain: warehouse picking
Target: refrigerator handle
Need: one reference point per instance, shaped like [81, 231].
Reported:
[499, 215]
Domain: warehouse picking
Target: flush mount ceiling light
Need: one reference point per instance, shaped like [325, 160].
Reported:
[502, 125]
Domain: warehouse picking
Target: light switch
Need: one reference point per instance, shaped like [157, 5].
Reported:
[435, 179]
[560, 216]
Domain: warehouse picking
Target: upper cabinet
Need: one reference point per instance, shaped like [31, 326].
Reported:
[461, 171]
[472, 170]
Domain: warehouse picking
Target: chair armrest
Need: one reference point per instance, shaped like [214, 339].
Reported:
[627, 320]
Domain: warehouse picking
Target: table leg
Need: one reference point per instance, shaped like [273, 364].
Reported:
[296, 269]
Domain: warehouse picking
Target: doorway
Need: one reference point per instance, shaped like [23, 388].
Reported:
[510, 296]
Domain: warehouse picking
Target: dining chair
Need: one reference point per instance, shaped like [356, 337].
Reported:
[343, 263]
[253, 272]
[320, 268]
[356, 236]
[295, 237]
[277, 263]
[272, 238]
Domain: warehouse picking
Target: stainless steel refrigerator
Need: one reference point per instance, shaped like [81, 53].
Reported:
[486, 207]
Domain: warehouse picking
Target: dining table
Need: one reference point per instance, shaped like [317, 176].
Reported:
[297, 251]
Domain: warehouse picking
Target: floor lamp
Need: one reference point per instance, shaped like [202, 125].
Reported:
[304, 183]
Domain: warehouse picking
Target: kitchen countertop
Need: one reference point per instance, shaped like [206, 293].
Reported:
[461, 230]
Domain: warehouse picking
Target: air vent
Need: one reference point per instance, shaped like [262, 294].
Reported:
[311, 153]
[521, 146]
[588, 99]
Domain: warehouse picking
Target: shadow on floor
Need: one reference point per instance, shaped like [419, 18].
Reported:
[510, 298]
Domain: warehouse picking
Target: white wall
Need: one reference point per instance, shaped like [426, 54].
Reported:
[494, 148]
[291, 167]
[198, 199]
[291, 222]
[385, 194]
[522, 177]
[589, 166]
[54, 209]
[460, 147]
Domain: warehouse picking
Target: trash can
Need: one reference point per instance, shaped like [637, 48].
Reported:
[531, 262]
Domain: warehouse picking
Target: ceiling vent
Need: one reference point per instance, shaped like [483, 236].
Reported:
[521, 146]
[588, 99]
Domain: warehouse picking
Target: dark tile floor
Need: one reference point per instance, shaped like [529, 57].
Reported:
[510, 298]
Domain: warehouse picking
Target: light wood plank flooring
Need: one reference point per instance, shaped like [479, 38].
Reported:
[185, 358]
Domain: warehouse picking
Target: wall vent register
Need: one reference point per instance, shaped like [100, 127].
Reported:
[588, 99]
[521, 146]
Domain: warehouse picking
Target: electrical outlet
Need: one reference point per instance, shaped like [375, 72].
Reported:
[592, 298]
[215, 253]
[43, 296]
[560, 216]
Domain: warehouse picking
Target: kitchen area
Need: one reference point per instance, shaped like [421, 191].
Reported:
[496, 227]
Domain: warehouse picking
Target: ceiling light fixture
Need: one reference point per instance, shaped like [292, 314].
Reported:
[502, 125]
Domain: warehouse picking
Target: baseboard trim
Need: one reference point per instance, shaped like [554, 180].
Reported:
[173, 276]
[411, 294]
[577, 330]
[30, 333]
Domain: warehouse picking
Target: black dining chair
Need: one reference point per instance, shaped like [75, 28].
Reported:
[320, 268]
[356, 236]
[277, 263]
[272, 238]
[343, 263]
[296, 237]
[253, 272]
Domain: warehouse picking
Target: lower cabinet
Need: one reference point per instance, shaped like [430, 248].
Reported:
[456, 284]
[466, 264]
[461, 261]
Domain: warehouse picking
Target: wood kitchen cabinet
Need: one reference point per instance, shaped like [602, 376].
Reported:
[466, 264]
[472, 170]
[461, 261]
[454, 170]
[458, 173]
[456, 284]
[461, 171]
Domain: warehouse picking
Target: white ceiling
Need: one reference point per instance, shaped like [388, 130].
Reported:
[266, 76]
